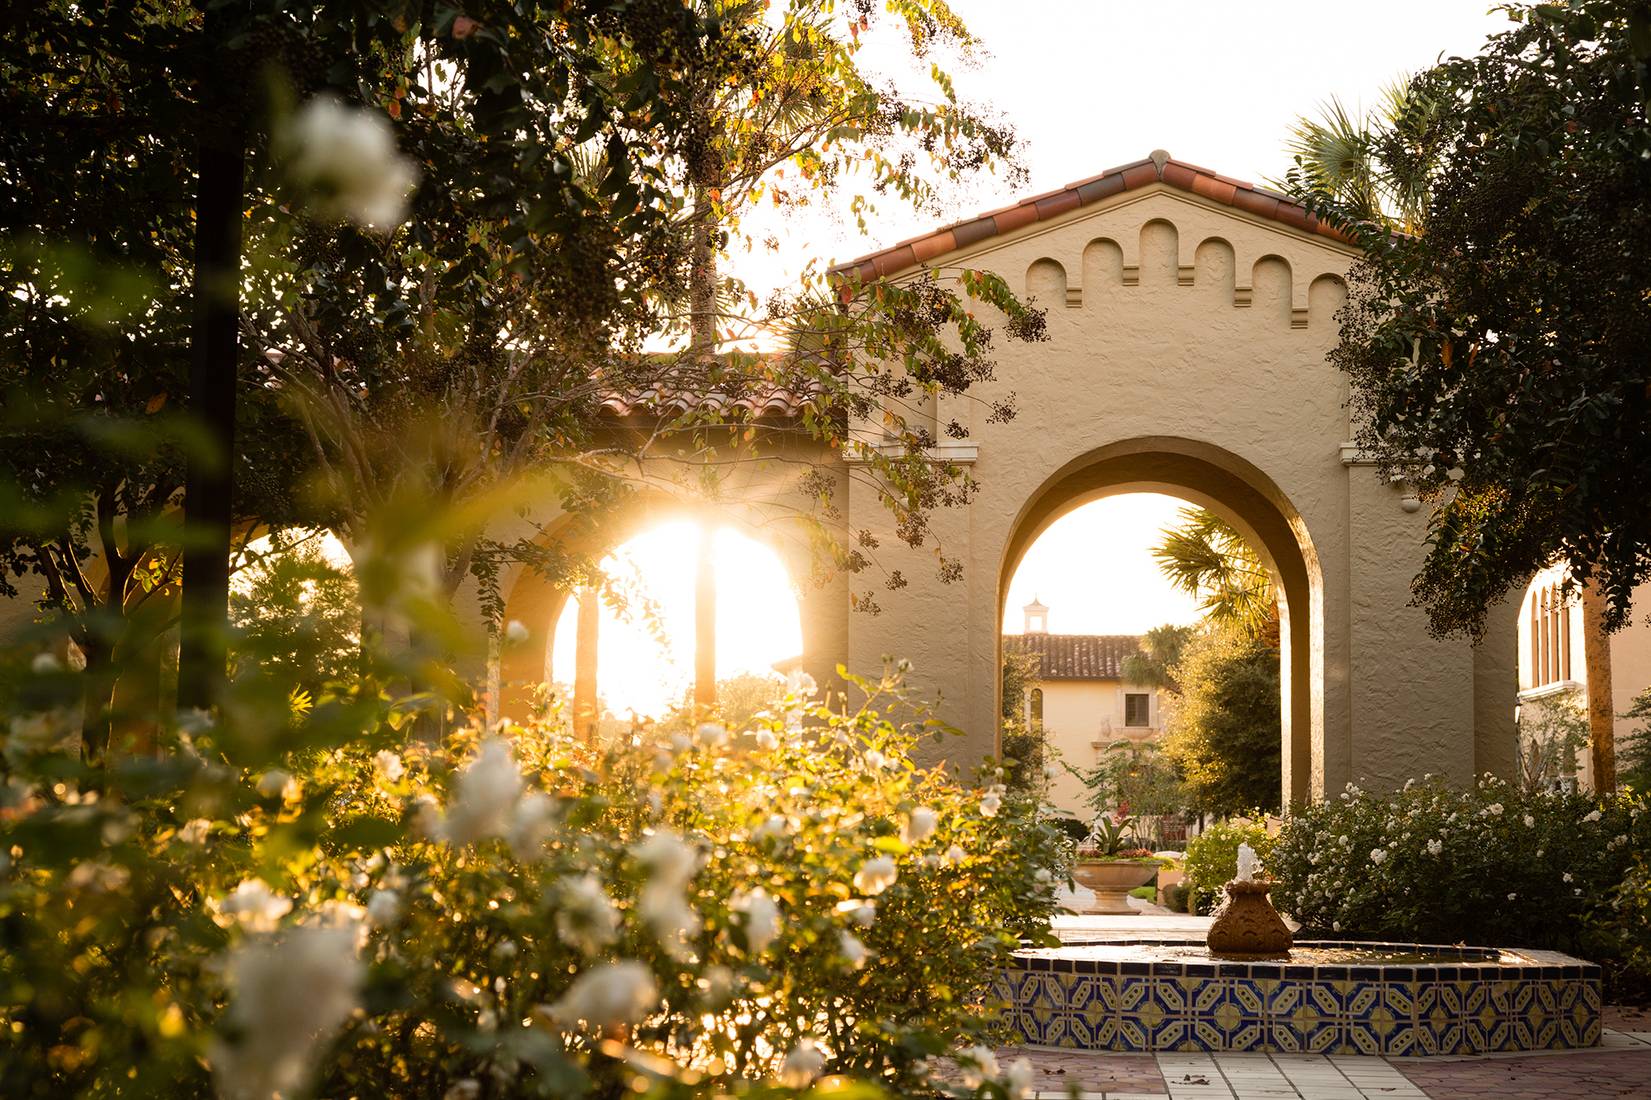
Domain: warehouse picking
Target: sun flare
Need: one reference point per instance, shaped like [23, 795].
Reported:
[645, 657]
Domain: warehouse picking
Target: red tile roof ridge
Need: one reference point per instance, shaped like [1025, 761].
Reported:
[1257, 201]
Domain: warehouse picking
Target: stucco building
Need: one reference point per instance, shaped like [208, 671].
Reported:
[1081, 699]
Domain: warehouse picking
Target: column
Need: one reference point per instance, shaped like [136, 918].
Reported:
[705, 622]
[586, 710]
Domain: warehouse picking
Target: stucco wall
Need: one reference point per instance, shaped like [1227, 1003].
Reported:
[1174, 318]
[1080, 719]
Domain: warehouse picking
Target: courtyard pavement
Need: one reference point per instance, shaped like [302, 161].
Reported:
[1619, 1067]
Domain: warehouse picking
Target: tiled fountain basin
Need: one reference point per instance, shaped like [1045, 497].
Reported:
[1167, 995]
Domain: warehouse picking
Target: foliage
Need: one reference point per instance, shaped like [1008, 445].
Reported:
[1212, 858]
[1206, 558]
[1160, 651]
[1135, 774]
[1112, 836]
[1622, 929]
[298, 614]
[1025, 745]
[1225, 736]
[1634, 763]
[1492, 865]
[1377, 166]
[707, 906]
[1498, 358]
[1551, 733]
[741, 700]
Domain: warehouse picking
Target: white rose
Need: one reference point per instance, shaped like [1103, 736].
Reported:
[802, 1065]
[194, 831]
[254, 906]
[585, 917]
[286, 998]
[388, 764]
[766, 740]
[955, 855]
[609, 995]
[44, 663]
[276, 783]
[875, 875]
[976, 1066]
[1377, 855]
[668, 858]
[762, 918]
[990, 805]
[921, 825]
[516, 632]
[852, 950]
[1017, 1080]
[383, 907]
[346, 159]
[485, 795]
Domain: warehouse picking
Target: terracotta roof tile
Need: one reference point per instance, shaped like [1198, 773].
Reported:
[1159, 168]
[1076, 656]
[1015, 217]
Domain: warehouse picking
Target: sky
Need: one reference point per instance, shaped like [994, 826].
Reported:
[1094, 570]
[1088, 84]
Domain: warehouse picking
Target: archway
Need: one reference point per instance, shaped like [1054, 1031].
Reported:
[538, 603]
[1245, 497]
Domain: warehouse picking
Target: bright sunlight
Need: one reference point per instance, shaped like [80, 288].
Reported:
[645, 660]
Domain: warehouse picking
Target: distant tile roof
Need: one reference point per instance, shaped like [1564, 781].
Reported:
[1160, 167]
[1076, 656]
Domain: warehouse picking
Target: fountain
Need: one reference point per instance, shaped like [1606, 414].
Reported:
[1249, 987]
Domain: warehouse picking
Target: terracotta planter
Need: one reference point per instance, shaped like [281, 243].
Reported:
[1112, 880]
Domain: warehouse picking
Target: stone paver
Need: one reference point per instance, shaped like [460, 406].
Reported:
[1620, 1067]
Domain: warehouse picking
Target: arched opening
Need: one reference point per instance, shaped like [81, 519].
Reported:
[646, 656]
[1254, 506]
[702, 602]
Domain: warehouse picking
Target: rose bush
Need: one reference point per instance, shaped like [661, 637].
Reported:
[1491, 865]
[297, 896]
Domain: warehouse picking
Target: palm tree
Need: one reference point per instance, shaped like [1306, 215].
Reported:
[1205, 557]
[1374, 166]
[1154, 663]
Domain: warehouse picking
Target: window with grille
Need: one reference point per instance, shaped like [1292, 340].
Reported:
[1137, 709]
[1037, 708]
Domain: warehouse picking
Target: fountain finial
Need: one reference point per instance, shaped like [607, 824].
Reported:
[1249, 926]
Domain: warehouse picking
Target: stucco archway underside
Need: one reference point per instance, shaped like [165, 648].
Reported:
[1235, 490]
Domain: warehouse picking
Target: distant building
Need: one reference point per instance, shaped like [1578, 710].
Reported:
[1081, 699]
[1553, 660]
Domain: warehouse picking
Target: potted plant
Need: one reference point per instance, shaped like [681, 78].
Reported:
[1111, 862]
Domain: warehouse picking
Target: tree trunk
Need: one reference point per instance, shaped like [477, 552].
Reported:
[209, 492]
[1602, 723]
[702, 281]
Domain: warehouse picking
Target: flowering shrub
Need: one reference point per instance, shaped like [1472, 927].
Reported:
[1622, 930]
[1492, 865]
[1212, 858]
[310, 901]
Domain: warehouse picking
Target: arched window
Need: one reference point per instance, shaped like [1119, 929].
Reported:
[1037, 708]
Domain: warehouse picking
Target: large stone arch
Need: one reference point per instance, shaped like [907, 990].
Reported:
[1242, 494]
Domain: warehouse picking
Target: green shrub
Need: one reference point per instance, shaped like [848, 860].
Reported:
[1490, 865]
[1178, 897]
[503, 914]
[1622, 930]
[1212, 858]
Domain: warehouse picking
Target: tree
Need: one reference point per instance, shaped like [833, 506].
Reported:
[1135, 776]
[1499, 359]
[1226, 735]
[1206, 558]
[1024, 745]
[1635, 770]
[1160, 652]
[296, 614]
[1378, 165]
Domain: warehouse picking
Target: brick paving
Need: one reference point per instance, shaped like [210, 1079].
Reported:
[1605, 1073]
[1061, 1071]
